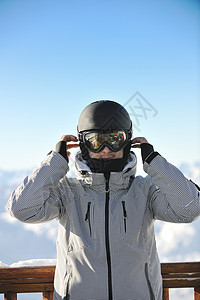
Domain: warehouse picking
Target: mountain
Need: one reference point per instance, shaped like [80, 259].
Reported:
[25, 242]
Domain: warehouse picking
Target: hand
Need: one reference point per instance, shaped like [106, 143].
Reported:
[70, 138]
[136, 142]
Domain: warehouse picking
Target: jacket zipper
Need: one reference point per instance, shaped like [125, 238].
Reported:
[87, 217]
[107, 240]
[124, 214]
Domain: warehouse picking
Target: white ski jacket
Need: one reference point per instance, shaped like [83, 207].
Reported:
[106, 246]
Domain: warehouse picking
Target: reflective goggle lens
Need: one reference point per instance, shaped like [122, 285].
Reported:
[95, 141]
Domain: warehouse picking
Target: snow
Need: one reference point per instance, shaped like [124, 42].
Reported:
[2, 265]
[34, 263]
[30, 263]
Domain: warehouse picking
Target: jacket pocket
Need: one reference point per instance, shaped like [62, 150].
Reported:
[131, 223]
[124, 214]
[68, 288]
[88, 217]
[81, 216]
[152, 297]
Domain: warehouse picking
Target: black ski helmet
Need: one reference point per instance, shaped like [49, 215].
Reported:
[104, 116]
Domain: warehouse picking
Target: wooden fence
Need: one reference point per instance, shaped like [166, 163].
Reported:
[40, 279]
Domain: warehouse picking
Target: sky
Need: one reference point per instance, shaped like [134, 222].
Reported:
[56, 57]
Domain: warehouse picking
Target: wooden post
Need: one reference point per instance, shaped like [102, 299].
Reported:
[10, 296]
[197, 293]
[165, 294]
[47, 296]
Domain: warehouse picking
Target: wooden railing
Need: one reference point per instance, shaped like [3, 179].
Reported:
[27, 280]
[40, 279]
[181, 275]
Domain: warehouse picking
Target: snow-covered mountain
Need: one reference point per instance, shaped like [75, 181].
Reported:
[21, 242]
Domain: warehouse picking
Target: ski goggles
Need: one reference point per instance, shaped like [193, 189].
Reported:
[96, 141]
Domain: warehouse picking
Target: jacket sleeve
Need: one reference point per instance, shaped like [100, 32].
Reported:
[172, 196]
[37, 199]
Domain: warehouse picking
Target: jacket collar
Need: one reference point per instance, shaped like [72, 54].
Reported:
[118, 180]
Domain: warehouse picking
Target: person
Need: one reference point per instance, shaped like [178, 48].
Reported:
[106, 245]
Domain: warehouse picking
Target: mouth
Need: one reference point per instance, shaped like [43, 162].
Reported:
[107, 156]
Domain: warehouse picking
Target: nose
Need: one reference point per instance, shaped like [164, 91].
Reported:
[106, 150]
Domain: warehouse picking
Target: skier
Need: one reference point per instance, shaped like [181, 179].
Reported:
[106, 245]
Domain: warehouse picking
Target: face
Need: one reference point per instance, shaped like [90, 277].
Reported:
[107, 153]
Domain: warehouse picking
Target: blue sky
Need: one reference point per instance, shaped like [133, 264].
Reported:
[58, 56]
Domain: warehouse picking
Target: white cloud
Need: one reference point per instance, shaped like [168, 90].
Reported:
[172, 237]
[49, 229]
[192, 171]
[5, 216]
[181, 294]
[192, 256]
